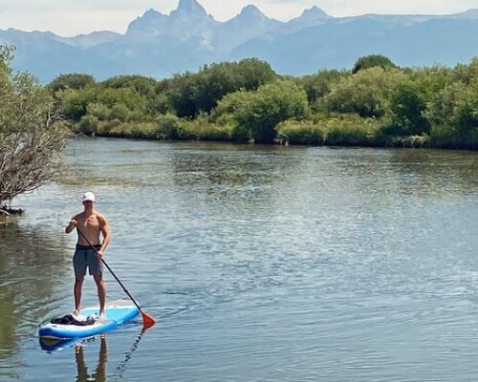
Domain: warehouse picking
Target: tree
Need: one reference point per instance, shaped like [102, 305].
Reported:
[190, 94]
[407, 110]
[365, 93]
[258, 113]
[320, 84]
[74, 81]
[31, 136]
[180, 90]
[372, 61]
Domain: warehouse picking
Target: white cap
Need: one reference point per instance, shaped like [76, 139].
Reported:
[89, 197]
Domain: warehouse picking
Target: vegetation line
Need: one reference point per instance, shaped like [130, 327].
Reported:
[375, 104]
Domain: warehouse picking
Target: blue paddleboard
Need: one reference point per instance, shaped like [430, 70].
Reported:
[117, 312]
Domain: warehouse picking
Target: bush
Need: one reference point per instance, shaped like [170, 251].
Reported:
[351, 130]
[32, 137]
[202, 129]
[301, 133]
[167, 127]
[257, 113]
[88, 125]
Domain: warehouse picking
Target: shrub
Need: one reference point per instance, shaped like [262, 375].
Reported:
[301, 132]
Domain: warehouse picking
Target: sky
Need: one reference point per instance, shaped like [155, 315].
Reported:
[72, 17]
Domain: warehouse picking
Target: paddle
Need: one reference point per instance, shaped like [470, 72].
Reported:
[147, 319]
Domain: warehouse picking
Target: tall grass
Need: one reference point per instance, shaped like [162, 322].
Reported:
[301, 133]
[347, 130]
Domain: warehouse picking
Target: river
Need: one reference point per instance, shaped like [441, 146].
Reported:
[261, 263]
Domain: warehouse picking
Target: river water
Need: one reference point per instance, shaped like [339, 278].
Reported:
[261, 263]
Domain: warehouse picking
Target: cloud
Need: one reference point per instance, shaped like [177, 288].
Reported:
[67, 23]
[349, 7]
[71, 17]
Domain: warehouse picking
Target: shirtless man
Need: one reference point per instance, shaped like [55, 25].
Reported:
[91, 223]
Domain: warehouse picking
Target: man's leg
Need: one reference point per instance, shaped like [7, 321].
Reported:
[101, 286]
[78, 288]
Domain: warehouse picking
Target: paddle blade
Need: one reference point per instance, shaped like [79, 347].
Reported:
[147, 320]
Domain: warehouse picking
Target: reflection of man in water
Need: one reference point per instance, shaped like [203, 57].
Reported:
[100, 372]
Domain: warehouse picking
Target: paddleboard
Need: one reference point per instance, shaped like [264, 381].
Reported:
[116, 312]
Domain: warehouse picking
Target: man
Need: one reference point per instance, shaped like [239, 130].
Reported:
[90, 224]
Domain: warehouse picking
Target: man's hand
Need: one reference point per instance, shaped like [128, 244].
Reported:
[71, 226]
[99, 254]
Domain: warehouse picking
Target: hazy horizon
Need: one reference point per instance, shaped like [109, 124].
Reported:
[115, 15]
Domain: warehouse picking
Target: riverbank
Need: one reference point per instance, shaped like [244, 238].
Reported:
[352, 132]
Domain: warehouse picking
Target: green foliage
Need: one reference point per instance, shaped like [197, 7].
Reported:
[258, 113]
[372, 61]
[455, 113]
[351, 130]
[301, 133]
[74, 103]
[88, 125]
[74, 81]
[467, 73]
[167, 127]
[145, 86]
[366, 93]
[320, 84]
[202, 129]
[180, 93]
[31, 135]
[407, 110]
[190, 94]
[376, 103]
[99, 110]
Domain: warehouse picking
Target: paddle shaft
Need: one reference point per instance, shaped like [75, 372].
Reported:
[111, 271]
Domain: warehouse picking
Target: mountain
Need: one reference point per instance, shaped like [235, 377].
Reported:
[160, 45]
[338, 44]
[249, 24]
[88, 40]
[40, 54]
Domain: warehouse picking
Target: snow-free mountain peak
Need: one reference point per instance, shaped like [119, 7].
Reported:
[189, 8]
[146, 23]
[314, 13]
[251, 12]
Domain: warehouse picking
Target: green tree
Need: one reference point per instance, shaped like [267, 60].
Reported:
[73, 104]
[408, 110]
[454, 115]
[258, 113]
[74, 81]
[145, 86]
[180, 93]
[373, 61]
[366, 93]
[31, 136]
[320, 84]
[190, 94]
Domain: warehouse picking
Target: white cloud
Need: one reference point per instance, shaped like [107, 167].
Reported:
[73, 17]
[349, 7]
[67, 23]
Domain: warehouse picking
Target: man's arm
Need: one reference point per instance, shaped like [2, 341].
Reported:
[72, 224]
[105, 230]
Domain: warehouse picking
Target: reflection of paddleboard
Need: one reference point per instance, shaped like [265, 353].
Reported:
[116, 313]
[56, 344]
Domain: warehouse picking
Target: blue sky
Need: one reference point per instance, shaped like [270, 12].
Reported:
[71, 17]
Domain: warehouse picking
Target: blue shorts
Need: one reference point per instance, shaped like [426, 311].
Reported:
[85, 257]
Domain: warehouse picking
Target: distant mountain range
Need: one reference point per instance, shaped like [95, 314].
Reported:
[160, 45]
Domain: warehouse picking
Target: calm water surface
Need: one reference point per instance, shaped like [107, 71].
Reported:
[261, 264]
